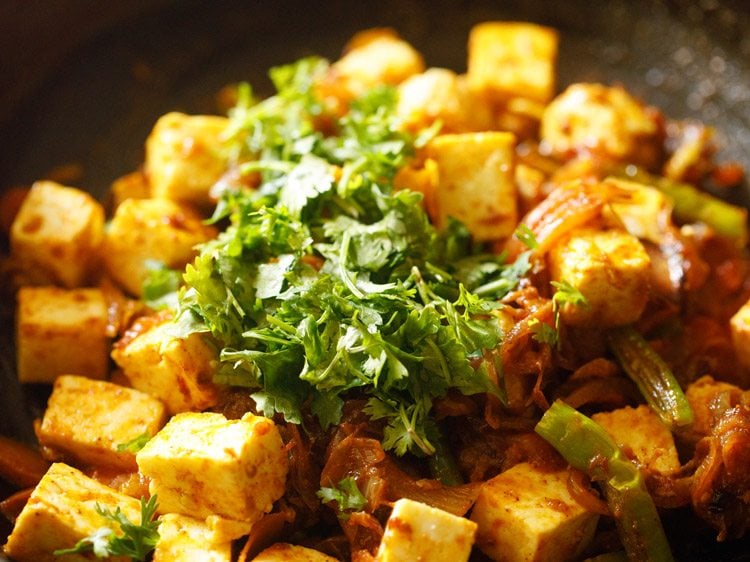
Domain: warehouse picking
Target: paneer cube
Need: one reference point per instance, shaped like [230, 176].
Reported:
[511, 59]
[610, 268]
[57, 234]
[86, 420]
[184, 538]
[371, 58]
[416, 531]
[283, 552]
[601, 120]
[202, 464]
[528, 515]
[740, 326]
[641, 434]
[61, 511]
[61, 331]
[440, 94]
[475, 182]
[185, 157]
[144, 232]
[130, 186]
[178, 371]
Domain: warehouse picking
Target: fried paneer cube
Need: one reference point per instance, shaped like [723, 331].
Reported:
[184, 538]
[86, 420]
[61, 511]
[416, 531]
[610, 268]
[202, 464]
[185, 157]
[641, 434]
[512, 59]
[594, 119]
[61, 331]
[56, 235]
[476, 182]
[178, 371]
[527, 514]
[145, 232]
[284, 552]
[740, 326]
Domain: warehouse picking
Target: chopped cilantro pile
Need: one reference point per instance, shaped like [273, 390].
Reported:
[328, 283]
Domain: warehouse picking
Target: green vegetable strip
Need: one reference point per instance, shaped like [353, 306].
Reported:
[443, 464]
[588, 447]
[652, 375]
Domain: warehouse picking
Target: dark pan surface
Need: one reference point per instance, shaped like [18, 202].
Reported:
[83, 82]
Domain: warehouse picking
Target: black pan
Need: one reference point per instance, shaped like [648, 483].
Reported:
[83, 81]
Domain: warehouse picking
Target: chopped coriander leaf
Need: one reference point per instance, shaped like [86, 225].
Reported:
[135, 444]
[136, 540]
[161, 286]
[346, 494]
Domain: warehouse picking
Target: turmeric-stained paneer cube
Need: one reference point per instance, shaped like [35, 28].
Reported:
[511, 59]
[182, 538]
[86, 420]
[371, 58]
[476, 182]
[61, 511]
[440, 94]
[185, 157]
[130, 186]
[416, 531]
[603, 121]
[56, 235]
[642, 435]
[61, 331]
[284, 552]
[202, 464]
[144, 232]
[740, 326]
[178, 371]
[526, 514]
[611, 270]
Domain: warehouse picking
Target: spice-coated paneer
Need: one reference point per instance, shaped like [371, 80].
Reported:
[603, 121]
[526, 514]
[145, 232]
[61, 331]
[283, 552]
[56, 235]
[640, 432]
[202, 464]
[86, 420]
[178, 371]
[740, 325]
[61, 511]
[610, 268]
[416, 531]
[476, 182]
[130, 186]
[511, 59]
[183, 538]
[185, 157]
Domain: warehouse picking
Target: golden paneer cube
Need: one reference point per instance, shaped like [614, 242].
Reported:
[641, 434]
[61, 331]
[148, 231]
[511, 59]
[202, 464]
[86, 420]
[56, 235]
[601, 120]
[526, 514]
[416, 531]
[183, 538]
[130, 186]
[178, 371]
[61, 511]
[740, 326]
[283, 552]
[372, 57]
[185, 157]
[440, 94]
[610, 268]
[476, 182]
